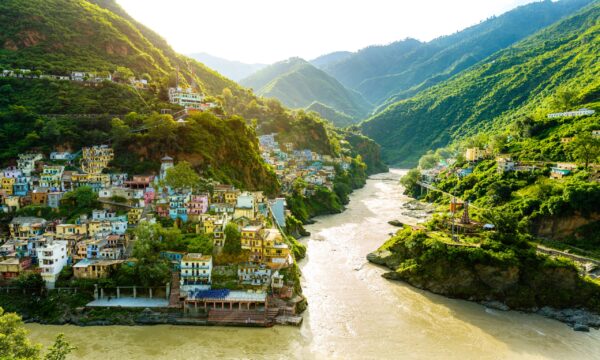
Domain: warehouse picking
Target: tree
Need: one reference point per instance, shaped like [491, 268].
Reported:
[60, 349]
[15, 345]
[79, 201]
[233, 240]
[585, 148]
[13, 338]
[409, 181]
[151, 269]
[564, 99]
[123, 74]
[429, 160]
[182, 176]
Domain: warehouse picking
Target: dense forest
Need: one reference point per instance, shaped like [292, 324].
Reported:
[403, 68]
[520, 81]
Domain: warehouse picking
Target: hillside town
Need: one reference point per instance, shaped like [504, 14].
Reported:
[37, 193]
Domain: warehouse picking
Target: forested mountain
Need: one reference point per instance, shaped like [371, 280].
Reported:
[297, 84]
[402, 69]
[520, 81]
[329, 59]
[235, 70]
[97, 36]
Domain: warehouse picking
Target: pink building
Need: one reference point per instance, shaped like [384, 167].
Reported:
[149, 196]
[197, 205]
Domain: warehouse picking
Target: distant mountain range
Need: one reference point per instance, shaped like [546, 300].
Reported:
[234, 70]
[516, 82]
[298, 84]
[385, 74]
[330, 59]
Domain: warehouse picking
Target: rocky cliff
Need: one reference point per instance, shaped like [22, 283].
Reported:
[513, 276]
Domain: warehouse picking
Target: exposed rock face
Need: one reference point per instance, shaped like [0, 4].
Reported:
[561, 227]
[498, 278]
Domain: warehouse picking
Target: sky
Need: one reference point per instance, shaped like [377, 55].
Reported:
[266, 31]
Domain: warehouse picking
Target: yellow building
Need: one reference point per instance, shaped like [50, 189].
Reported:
[231, 196]
[475, 154]
[96, 158]
[134, 215]
[70, 231]
[95, 269]
[276, 252]
[7, 185]
[252, 240]
[13, 203]
[26, 227]
[95, 227]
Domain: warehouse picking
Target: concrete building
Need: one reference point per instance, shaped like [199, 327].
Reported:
[195, 272]
[52, 257]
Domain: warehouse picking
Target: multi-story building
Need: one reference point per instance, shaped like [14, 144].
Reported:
[26, 227]
[51, 176]
[8, 184]
[253, 274]
[252, 240]
[95, 269]
[177, 208]
[275, 251]
[245, 206]
[39, 196]
[475, 154]
[52, 257]
[186, 98]
[196, 205]
[21, 186]
[26, 163]
[11, 268]
[165, 164]
[96, 158]
[195, 272]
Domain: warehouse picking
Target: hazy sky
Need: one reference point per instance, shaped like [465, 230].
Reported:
[271, 30]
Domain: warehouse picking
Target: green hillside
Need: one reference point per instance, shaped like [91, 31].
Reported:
[60, 36]
[297, 84]
[512, 83]
[331, 114]
[402, 69]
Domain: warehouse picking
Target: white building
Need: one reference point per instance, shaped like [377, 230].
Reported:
[65, 155]
[196, 272]
[26, 163]
[52, 257]
[165, 164]
[186, 98]
[580, 112]
[118, 227]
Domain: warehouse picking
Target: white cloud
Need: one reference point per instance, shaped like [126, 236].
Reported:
[272, 30]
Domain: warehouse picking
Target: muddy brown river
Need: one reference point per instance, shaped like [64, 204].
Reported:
[353, 312]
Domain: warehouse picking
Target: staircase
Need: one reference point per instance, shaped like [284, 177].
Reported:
[238, 317]
[174, 300]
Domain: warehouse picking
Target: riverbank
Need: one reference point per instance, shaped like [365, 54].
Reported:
[499, 276]
[354, 312]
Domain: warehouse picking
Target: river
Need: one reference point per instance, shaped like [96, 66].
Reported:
[353, 312]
